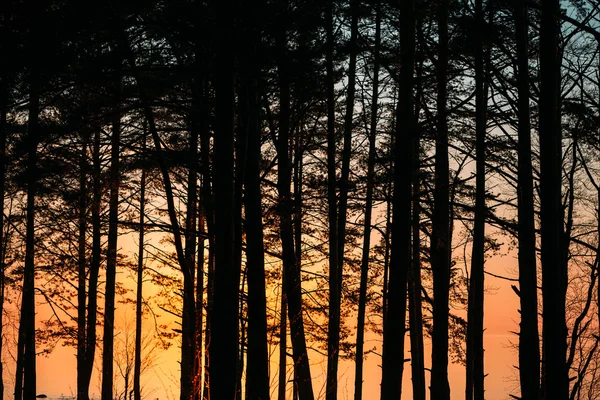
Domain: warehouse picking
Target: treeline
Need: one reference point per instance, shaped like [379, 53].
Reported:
[299, 174]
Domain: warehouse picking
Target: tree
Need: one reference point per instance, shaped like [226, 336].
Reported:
[529, 349]
[395, 317]
[440, 235]
[554, 269]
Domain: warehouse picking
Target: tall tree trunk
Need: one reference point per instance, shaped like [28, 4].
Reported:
[337, 241]
[475, 367]
[208, 214]
[282, 340]
[224, 316]
[240, 166]
[529, 347]
[243, 344]
[111, 259]
[554, 271]
[394, 322]
[257, 371]
[333, 324]
[364, 266]
[415, 310]
[137, 369]
[92, 306]
[25, 386]
[440, 235]
[82, 390]
[199, 354]
[4, 100]
[293, 279]
[297, 219]
[188, 319]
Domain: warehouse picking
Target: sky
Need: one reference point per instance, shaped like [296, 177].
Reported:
[56, 372]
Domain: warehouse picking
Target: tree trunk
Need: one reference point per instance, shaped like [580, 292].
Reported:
[111, 260]
[364, 267]
[224, 316]
[293, 279]
[82, 389]
[199, 354]
[257, 371]
[415, 310]
[4, 101]
[554, 271]
[92, 306]
[333, 325]
[282, 341]
[440, 235]
[394, 322]
[337, 241]
[25, 386]
[529, 347]
[240, 167]
[188, 320]
[475, 366]
[137, 369]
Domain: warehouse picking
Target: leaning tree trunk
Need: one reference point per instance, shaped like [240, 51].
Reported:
[529, 347]
[395, 319]
[554, 271]
[440, 235]
[475, 367]
[364, 266]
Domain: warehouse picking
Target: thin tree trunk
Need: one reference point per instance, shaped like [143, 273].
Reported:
[339, 238]
[111, 261]
[475, 366]
[188, 320]
[240, 167]
[292, 268]
[137, 369]
[92, 307]
[282, 341]
[25, 386]
[415, 310]
[395, 320]
[242, 345]
[529, 347]
[82, 390]
[364, 267]
[4, 100]
[554, 271]
[199, 355]
[440, 236]
[333, 325]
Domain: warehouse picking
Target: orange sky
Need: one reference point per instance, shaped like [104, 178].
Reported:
[56, 373]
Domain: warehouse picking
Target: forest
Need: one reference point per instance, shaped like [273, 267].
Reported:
[275, 189]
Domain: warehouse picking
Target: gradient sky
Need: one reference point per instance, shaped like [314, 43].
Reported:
[56, 373]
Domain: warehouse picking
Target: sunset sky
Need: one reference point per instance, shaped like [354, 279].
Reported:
[57, 372]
